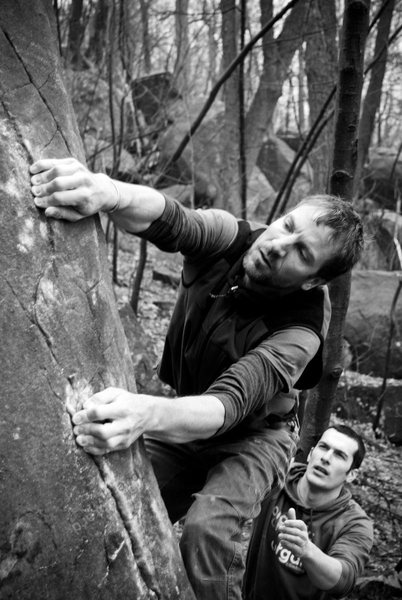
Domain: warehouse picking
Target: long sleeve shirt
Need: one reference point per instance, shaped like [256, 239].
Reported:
[262, 381]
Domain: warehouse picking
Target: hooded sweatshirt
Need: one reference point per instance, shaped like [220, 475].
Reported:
[340, 528]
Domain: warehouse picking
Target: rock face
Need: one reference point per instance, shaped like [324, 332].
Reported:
[357, 397]
[71, 525]
[381, 174]
[275, 159]
[380, 227]
[368, 322]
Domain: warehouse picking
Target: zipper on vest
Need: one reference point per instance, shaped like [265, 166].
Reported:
[230, 291]
[214, 327]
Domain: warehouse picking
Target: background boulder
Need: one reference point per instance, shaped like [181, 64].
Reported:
[367, 323]
[379, 177]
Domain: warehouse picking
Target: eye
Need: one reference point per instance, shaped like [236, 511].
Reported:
[340, 455]
[303, 254]
[288, 223]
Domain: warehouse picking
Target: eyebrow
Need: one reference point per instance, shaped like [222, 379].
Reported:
[341, 452]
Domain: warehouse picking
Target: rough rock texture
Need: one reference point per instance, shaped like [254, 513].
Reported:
[380, 175]
[275, 159]
[380, 226]
[71, 526]
[368, 321]
[357, 397]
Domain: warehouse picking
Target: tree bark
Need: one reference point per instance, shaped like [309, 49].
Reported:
[97, 45]
[146, 43]
[181, 68]
[350, 80]
[71, 525]
[229, 172]
[301, 96]
[278, 53]
[209, 18]
[372, 99]
[75, 33]
[321, 62]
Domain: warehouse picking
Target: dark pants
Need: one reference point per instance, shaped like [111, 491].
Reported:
[220, 485]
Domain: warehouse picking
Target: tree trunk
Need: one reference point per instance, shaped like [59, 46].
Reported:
[372, 99]
[301, 110]
[181, 68]
[146, 43]
[209, 18]
[75, 33]
[97, 46]
[278, 53]
[321, 60]
[229, 143]
[351, 61]
[71, 525]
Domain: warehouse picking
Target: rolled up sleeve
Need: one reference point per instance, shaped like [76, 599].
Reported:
[194, 233]
[262, 381]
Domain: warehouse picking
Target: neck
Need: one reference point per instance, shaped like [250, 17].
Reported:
[265, 290]
[313, 497]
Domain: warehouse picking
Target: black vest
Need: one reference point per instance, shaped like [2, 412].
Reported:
[214, 325]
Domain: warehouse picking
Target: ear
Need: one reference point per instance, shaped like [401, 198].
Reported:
[312, 282]
[351, 476]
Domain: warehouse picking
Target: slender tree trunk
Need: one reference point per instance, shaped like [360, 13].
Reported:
[143, 244]
[71, 525]
[224, 77]
[321, 61]
[301, 110]
[97, 46]
[210, 23]
[242, 164]
[372, 99]
[146, 44]
[181, 69]
[351, 61]
[75, 33]
[229, 173]
[278, 53]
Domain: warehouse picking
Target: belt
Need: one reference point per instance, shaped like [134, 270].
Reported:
[289, 422]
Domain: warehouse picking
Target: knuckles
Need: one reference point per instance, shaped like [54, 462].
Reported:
[102, 433]
[54, 172]
[56, 185]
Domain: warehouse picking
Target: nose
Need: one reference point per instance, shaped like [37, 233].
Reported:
[326, 456]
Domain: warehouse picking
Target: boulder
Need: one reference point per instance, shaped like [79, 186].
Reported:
[153, 94]
[72, 525]
[358, 396]
[380, 175]
[367, 323]
[380, 226]
[275, 159]
[183, 171]
[260, 196]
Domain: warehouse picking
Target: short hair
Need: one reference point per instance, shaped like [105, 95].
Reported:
[351, 433]
[347, 236]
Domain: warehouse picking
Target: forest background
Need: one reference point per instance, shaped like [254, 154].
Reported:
[159, 102]
[191, 98]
